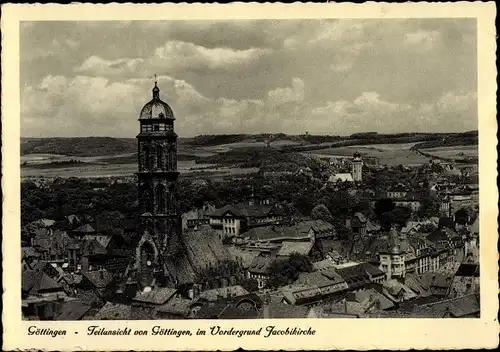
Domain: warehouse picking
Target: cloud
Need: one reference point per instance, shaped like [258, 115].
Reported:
[451, 112]
[172, 56]
[422, 40]
[101, 67]
[54, 48]
[323, 76]
[280, 96]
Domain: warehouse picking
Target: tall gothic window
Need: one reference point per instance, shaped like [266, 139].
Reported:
[171, 198]
[146, 157]
[147, 200]
[159, 157]
[171, 157]
[150, 161]
[160, 198]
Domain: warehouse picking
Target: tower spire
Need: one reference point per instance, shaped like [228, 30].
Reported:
[156, 90]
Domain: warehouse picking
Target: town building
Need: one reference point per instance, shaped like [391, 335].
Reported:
[357, 168]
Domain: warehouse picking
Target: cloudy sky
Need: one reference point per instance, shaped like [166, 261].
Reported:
[322, 76]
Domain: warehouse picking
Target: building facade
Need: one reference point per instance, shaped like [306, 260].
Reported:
[357, 168]
[157, 188]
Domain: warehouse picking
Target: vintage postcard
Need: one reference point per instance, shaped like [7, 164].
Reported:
[210, 177]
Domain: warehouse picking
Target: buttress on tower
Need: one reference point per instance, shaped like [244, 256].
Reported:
[157, 189]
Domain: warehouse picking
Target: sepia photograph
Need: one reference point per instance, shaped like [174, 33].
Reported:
[249, 169]
[265, 175]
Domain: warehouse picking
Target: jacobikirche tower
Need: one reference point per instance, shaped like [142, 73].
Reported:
[157, 189]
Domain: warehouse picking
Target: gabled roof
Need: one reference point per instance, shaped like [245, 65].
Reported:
[93, 247]
[457, 307]
[289, 248]
[35, 282]
[223, 292]
[30, 252]
[323, 264]
[99, 278]
[159, 295]
[103, 240]
[176, 306]
[371, 295]
[341, 177]
[242, 210]
[73, 310]
[315, 278]
[276, 310]
[371, 269]
[115, 311]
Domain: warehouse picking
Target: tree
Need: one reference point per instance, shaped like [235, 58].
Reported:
[321, 212]
[285, 271]
[400, 216]
[383, 212]
[462, 216]
[430, 208]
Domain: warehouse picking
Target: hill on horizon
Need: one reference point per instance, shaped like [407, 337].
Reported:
[100, 146]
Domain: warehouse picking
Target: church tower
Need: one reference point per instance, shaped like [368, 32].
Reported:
[357, 167]
[157, 187]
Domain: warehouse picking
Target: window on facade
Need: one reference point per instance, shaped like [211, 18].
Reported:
[160, 198]
[147, 201]
[159, 157]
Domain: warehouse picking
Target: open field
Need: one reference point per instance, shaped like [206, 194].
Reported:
[385, 154]
[102, 169]
[454, 152]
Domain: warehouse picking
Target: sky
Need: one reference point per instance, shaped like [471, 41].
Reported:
[334, 77]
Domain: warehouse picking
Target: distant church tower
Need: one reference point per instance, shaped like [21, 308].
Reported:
[357, 168]
[157, 189]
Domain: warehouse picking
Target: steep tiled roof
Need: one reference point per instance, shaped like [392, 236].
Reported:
[34, 282]
[372, 270]
[458, 307]
[74, 310]
[276, 310]
[30, 252]
[99, 278]
[114, 311]
[240, 255]
[295, 247]
[224, 292]
[313, 279]
[242, 210]
[103, 240]
[201, 248]
[159, 295]
[323, 264]
[262, 263]
[382, 302]
[93, 247]
[300, 230]
[176, 306]
[394, 287]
